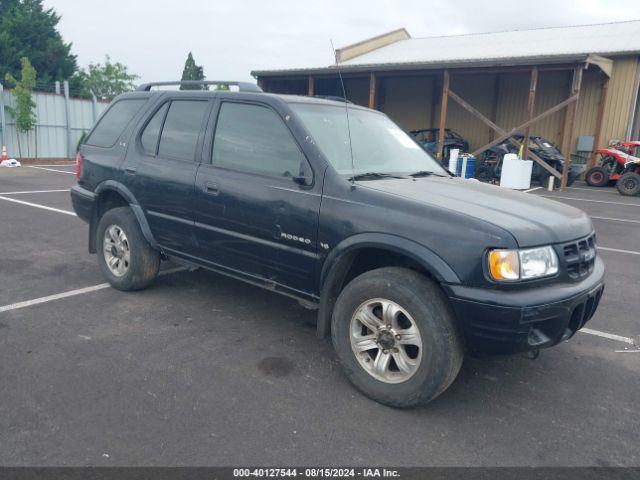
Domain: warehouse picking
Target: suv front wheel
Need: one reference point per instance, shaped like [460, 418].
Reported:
[124, 255]
[396, 337]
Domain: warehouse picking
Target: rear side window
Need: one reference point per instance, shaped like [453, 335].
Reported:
[181, 129]
[151, 133]
[112, 124]
[251, 138]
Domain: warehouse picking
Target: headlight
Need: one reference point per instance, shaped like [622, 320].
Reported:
[513, 265]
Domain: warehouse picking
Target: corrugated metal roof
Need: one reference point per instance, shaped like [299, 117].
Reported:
[541, 45]
[608, 38]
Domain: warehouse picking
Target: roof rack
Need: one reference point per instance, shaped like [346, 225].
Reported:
[335, 98]
[242, 86]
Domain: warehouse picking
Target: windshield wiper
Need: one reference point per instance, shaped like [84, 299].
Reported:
[374, 175]
[425, 173]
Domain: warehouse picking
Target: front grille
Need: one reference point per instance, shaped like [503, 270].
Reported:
[580, 257]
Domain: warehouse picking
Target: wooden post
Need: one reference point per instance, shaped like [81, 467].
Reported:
[310, 87]
[530, 104]
[372, 90]
[443, 114]
[571, 119]
[598, 132]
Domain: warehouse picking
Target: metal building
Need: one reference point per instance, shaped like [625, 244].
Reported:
[562, 83]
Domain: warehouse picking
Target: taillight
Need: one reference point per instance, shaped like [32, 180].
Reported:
[78, 165]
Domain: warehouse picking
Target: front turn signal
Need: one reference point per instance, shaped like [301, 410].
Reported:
[504, 265]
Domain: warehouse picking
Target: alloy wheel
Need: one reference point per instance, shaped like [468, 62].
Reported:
[117, 253]
[385, 340]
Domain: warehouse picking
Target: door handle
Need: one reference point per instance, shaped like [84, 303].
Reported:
[210, 188]
[130, 170]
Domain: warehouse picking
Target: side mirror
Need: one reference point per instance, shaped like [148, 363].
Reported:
[305, 176]
[303, 181]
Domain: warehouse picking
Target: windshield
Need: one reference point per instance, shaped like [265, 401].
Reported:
[379, 145]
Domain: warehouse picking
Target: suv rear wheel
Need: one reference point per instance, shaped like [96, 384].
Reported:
[124, 255]
[395, 336]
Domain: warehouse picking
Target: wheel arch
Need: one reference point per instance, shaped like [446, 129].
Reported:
[110, 194]
[343, 263]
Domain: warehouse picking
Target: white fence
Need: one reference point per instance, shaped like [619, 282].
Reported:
[60, 123]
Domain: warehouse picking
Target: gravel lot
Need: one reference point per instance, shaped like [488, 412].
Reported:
[204, 370]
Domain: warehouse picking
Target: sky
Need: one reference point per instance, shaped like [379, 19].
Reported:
[231, 38]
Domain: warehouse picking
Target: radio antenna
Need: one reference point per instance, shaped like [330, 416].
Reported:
[346, 112]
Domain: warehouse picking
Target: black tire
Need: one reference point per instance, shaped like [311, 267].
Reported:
[629, 184]
[144, 261]
[442, 349]
[597, 177]
[485, 173]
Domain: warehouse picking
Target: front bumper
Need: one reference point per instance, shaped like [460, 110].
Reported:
[83, 202]
[501, 321]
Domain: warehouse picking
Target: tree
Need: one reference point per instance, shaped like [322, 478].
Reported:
[105, 81]
[192, 72]
[23, 111]
[27, 29]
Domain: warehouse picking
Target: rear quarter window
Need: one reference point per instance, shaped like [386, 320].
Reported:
[113, 122]
[181, 129]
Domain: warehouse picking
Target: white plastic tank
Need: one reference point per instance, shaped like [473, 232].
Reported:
[516, 173]
[453, 160]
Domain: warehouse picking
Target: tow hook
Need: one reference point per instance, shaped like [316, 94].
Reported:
[532, 354]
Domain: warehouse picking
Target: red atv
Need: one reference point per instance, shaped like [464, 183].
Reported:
[612, 164]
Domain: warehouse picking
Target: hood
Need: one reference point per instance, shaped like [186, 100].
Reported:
[531, 219]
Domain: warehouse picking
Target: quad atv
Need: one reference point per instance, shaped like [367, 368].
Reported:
[612, 163]
[428, 139]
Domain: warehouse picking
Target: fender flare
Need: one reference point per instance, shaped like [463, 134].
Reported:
[112, 185]
[339, 260]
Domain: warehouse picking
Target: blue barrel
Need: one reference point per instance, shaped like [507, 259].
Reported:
[471, 166]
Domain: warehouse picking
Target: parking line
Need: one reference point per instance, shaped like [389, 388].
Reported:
[631, 252]
[51, 170]
[50, 298]
[54, 165]
[589, 200]
[34, 191]
[37, 205]
[72, 293]
[610, 336]
[531, 190]
[615, 219]
[594, 189]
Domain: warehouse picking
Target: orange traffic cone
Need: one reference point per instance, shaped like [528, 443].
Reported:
[4, 154]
